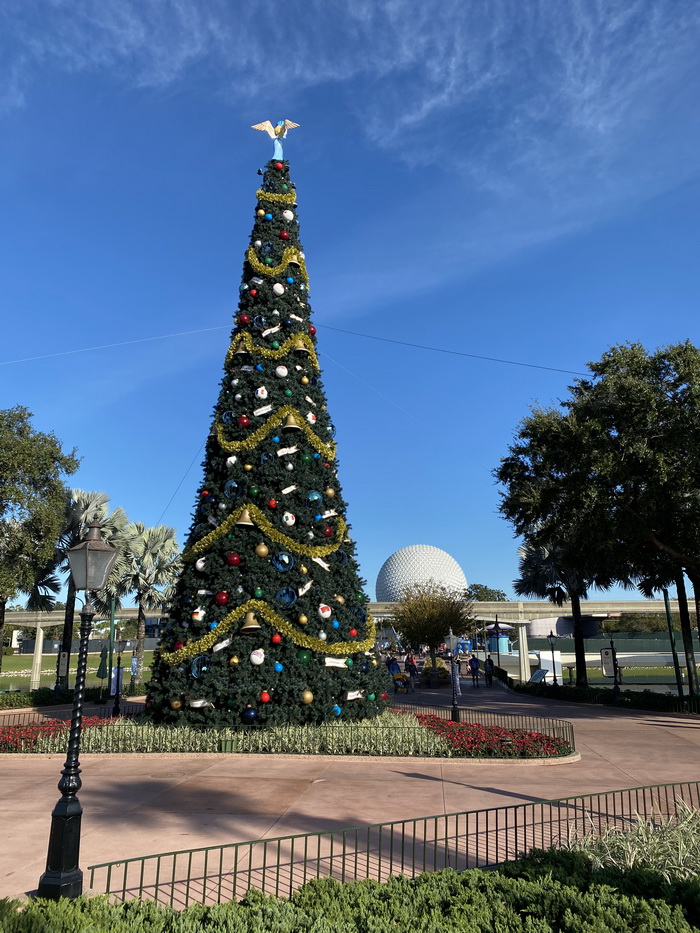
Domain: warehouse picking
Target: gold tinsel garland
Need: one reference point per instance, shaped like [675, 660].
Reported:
[291, 254]
[321, 550]
[288, 198]
[289, 344]
[286, 628]
[274, 421]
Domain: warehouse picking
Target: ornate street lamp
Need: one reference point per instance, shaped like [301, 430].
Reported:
[119, 647]
[552, 639]
[497, 630]
[454, 673]
[90, 563]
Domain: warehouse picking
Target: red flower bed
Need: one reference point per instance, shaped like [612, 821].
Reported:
[474, 740]
[20, 738]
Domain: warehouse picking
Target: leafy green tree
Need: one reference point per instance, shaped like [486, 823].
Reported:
[478, 593]
[269, 568]
[32, 493]
[427, 612]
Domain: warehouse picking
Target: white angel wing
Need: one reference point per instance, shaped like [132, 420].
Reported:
[289, 125]
[266, 127]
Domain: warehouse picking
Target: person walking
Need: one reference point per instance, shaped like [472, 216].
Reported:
[474, 670]
[488, 671]
[411, 669]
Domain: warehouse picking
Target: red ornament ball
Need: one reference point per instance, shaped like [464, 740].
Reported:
[384, 696]
[233, 560]
[244, 318]
[327, 531]
[264, 697]
[221, 598]
[279, 166]
[353, 633]
[326, 464]
[272, 503]
[205, 493]
[276, 638]
[284, 235]
[253, 293]
[311, 329]
[244, 421]
[178, 645]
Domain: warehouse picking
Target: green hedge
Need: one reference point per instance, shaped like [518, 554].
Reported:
[441, 902]
[629, 699]
[45, 696]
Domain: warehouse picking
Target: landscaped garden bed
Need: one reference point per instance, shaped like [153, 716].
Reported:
[396, 732]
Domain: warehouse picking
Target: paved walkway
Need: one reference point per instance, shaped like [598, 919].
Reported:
[140, 804]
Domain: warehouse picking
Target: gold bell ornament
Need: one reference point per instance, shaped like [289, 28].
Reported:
[300, 346]
[250, 624]
[244, 518]
[291, 424]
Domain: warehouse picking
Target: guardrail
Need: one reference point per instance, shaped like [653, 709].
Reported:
[8, 718]
[472, 839]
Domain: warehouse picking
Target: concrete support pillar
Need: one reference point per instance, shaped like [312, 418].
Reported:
[523, 654]
[35, 679]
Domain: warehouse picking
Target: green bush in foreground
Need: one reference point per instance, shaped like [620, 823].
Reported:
[444, 901]
[46, 696]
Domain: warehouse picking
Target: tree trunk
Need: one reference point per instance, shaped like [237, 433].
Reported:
[695, 580]
[579, 644]
[140, 639]
[3, 603]
[67, 637]
[687, 634]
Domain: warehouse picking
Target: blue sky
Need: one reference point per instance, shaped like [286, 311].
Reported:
[510, 180]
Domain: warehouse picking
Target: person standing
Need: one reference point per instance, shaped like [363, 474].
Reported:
[488, 671]
[412, 670]
[474, 670]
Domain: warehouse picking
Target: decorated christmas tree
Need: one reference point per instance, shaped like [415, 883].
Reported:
[269, 622]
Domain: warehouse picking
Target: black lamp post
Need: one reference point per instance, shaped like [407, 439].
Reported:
[497, 629]
[616, 672]
[454, 673]
[552, 639]
[119, 646]
[90, 563]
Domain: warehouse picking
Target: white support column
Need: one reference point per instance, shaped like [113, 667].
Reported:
[523, 654]
[35, 679]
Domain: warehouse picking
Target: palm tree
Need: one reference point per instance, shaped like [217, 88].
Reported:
[546, 571]
[148, 567]
[81, 508]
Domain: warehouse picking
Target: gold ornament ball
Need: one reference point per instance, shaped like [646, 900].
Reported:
[176, 704]
[374, 661]
[302, 620]
[339, 599]
[329, 492]
[304, 569]
[248, 467]
[307, 696]
[262, 550]
[304, 380]
[233, 661]
[260, 212]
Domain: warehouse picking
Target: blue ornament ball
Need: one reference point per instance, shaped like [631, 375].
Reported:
[279, 667]
[249, 715]
[268, 216]
[337, 710]
[336, 624]
[290, 280]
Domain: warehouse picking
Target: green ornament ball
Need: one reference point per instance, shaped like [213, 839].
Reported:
[275, 344]
[288, 393]
[231, 703]
[254, 490]
[285, 187]
[268, 261]
[349, 662]
[303, 656]
[305, 458]
[371, 696]
[257, 592]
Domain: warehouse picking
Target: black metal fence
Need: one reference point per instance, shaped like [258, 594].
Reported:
[8, 718]
[476, 838]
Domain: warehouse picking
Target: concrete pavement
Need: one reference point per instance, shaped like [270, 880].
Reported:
[135, 805]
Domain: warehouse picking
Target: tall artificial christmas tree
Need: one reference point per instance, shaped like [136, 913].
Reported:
[269, 623]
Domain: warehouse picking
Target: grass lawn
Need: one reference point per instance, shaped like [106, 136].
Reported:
[16, 670]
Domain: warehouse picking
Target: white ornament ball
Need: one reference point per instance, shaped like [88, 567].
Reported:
[222, 506]
[234, 382]
[200, 564]
[238, 396]
[198, 614]
[289, 467]
[257, 244]
[289, 519]
[275, 313]
[230, 462]
[325, 611]
[261, 393]
[288, 215]
[278, 288]
[311, 417]
[281, 372]
[257, 657]
[322, 636]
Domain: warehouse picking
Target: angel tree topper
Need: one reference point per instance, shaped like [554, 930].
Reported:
[277, 133]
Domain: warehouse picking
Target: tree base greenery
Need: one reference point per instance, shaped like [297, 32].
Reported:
[464, 902]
